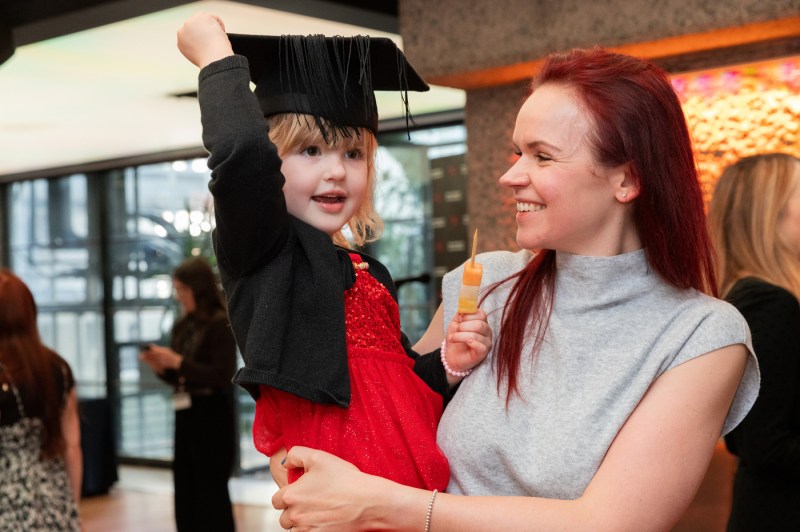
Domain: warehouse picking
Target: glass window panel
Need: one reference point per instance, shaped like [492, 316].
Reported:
[143, 325]
[54, 248]
[142, 269]
[417, 223]
[249, 457]
[20, 205]
[39, 229]
[129, 364]
[159, 214]
[78, 338]
[79, 214]
[49, 211]
[402, 176]
[147, 425]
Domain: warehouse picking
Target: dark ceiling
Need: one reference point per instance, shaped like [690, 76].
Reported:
[27, 21]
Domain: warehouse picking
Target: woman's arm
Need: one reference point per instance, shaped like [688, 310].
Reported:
[73, 456]
[647, 479]
[434, 335]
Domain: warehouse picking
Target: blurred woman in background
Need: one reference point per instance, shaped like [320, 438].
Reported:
[41, 464]
[755, 222]
[199, 364]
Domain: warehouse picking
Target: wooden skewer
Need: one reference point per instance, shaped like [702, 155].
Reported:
[474, 247]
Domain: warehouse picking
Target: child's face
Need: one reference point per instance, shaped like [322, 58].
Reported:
[325, 185]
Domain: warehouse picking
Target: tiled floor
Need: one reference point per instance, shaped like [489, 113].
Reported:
[142, 501]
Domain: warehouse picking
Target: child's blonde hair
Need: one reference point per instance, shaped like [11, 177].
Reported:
[289, 130]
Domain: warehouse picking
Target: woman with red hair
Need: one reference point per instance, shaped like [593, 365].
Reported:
[615, 370]
[40, 455]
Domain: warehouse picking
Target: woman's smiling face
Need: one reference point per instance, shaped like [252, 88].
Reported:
[565, 200]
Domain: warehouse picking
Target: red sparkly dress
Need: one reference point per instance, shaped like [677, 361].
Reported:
[389, 429]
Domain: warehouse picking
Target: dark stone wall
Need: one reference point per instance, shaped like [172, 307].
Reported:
[490, 116]
[455, 36]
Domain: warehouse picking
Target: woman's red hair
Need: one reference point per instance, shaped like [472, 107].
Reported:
[29, 363]
[638, 120]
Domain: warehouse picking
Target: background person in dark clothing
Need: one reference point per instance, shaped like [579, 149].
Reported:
[200, 363]
[755, 219]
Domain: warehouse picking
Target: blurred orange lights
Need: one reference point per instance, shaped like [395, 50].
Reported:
[738, 111]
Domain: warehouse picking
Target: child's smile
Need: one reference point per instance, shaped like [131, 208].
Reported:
[324, 186]
[331, 202]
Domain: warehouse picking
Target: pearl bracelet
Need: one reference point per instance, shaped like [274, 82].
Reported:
[430, 511]
[447, 368]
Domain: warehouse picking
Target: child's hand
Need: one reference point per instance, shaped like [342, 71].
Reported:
[469, 339]
[202, 39]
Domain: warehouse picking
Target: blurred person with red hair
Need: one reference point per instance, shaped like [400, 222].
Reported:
[41, 463]
[614, 371]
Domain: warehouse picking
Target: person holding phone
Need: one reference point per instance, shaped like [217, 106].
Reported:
[199, 364]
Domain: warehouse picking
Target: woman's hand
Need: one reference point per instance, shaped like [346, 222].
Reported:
[469, 339]
[202, 39]
[276, 468]
[332, 494]
[161, 358]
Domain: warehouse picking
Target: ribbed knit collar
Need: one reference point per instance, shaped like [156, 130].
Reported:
[584, 282]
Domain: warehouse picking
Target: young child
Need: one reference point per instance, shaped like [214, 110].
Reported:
[317, 324]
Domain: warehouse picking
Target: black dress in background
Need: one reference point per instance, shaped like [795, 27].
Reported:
[766, 492]
[205, 433]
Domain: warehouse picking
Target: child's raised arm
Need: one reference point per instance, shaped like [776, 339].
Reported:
[202, 39]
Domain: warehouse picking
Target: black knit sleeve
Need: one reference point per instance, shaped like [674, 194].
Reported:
[246, 181]
[429, 368]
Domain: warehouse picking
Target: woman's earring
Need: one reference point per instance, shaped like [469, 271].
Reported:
[624, 198]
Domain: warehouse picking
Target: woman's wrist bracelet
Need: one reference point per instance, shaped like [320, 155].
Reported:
[447, 368]
[430, 511]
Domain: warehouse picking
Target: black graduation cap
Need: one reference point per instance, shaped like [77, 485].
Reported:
[328, 77]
